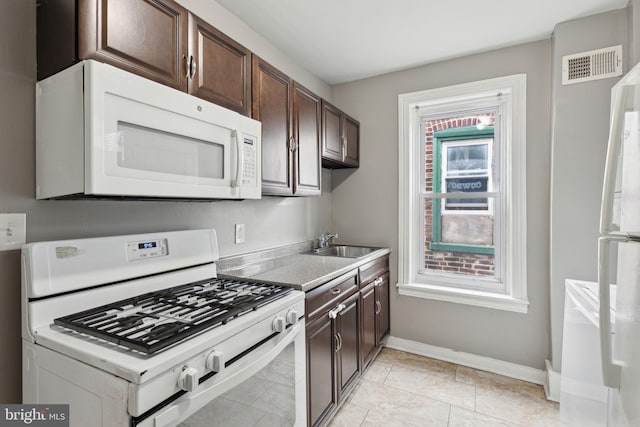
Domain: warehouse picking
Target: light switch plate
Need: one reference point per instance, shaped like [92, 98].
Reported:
[13, 230]
[239, 233]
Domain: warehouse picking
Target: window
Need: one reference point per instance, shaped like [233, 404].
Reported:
[462, 162]
[462, 194]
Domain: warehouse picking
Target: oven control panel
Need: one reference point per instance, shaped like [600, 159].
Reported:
[147, 249]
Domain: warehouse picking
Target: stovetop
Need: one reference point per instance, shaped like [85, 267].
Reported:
[154, 321]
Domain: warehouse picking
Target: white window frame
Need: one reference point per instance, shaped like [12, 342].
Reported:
[508, 290]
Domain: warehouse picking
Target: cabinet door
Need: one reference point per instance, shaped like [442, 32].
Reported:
[306, 131]
[222, 72]
[331, 133]
[351, 134]
[368, 336]
[271, 104]
[145, 37]
[348, 332]
[382, 309]
[321, 393]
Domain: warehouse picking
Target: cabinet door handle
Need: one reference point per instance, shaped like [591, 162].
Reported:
[343, 145]
[336, 291]
[378, 307]
[292, 144]
[187, 65]
[334, 313]
[192, 67]
[338, 342]
[378, 281]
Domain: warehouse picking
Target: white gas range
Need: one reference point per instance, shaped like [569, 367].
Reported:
[138, 330]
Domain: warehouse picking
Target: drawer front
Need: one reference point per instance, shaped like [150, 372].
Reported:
[374, 269]
[326, 296]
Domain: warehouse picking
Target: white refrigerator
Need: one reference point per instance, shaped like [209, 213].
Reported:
[600, 382]
[619, 255]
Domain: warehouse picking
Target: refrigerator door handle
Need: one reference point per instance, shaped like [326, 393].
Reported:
[610, 370]
[613, 151]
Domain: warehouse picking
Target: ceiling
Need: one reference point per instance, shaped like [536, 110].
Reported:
[346, 40]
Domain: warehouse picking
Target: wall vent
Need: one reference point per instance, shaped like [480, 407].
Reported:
[592, 65]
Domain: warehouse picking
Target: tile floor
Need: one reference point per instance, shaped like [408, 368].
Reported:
[402, 389]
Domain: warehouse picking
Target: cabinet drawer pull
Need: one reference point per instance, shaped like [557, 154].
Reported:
[336, 291]
[378, 307]
[334, 313]
[378, 281]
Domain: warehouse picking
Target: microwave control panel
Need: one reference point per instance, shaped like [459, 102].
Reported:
[249, 164]
[147, 249]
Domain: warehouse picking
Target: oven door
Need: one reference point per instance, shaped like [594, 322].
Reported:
[263, 386]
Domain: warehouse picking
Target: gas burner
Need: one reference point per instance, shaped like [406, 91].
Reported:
[154, 321]
[129, 322]
[165, 330]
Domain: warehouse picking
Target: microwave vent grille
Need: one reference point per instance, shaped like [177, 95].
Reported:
[592, 65]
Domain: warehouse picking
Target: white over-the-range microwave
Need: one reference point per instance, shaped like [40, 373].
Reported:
[104, 132]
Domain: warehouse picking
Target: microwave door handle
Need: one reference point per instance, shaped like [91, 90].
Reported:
[239, 158]
[610, 371]
[613, 151]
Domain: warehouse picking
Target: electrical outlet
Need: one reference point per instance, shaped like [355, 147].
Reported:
[239, 233]
[13, 230]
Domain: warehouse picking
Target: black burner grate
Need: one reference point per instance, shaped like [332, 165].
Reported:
[155, 320]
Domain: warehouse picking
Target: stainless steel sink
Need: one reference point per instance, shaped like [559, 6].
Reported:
[344, 251]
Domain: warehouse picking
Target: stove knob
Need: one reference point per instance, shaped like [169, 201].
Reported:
[279, 324]
[188, 379]
[292, 317]
[215, 361]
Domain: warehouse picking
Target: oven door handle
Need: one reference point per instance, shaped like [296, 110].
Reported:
[244, 369]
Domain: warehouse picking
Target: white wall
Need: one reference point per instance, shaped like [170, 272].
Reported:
[270, 222]
[365, 202]
[580, 126]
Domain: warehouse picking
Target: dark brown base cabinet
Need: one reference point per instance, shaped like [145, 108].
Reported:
[347, 322]
[333, 337]
[156, 39]
[374, 302]
[321, 392]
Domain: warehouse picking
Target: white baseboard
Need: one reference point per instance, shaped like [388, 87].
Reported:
[552, 383]
[500, 367]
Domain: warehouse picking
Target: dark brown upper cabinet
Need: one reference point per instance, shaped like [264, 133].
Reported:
[156, 39]
[306, 134]
[340, 138]
[290, 116]
[222, 71]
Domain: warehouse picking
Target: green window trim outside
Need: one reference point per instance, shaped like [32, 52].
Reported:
[461, 247]
[470, 132]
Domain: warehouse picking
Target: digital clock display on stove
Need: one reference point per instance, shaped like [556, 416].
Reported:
[147, 245]
[147, 249]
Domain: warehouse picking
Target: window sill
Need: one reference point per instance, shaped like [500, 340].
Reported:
[464, 296]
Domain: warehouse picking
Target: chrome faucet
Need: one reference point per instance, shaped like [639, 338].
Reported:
[325, 239]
